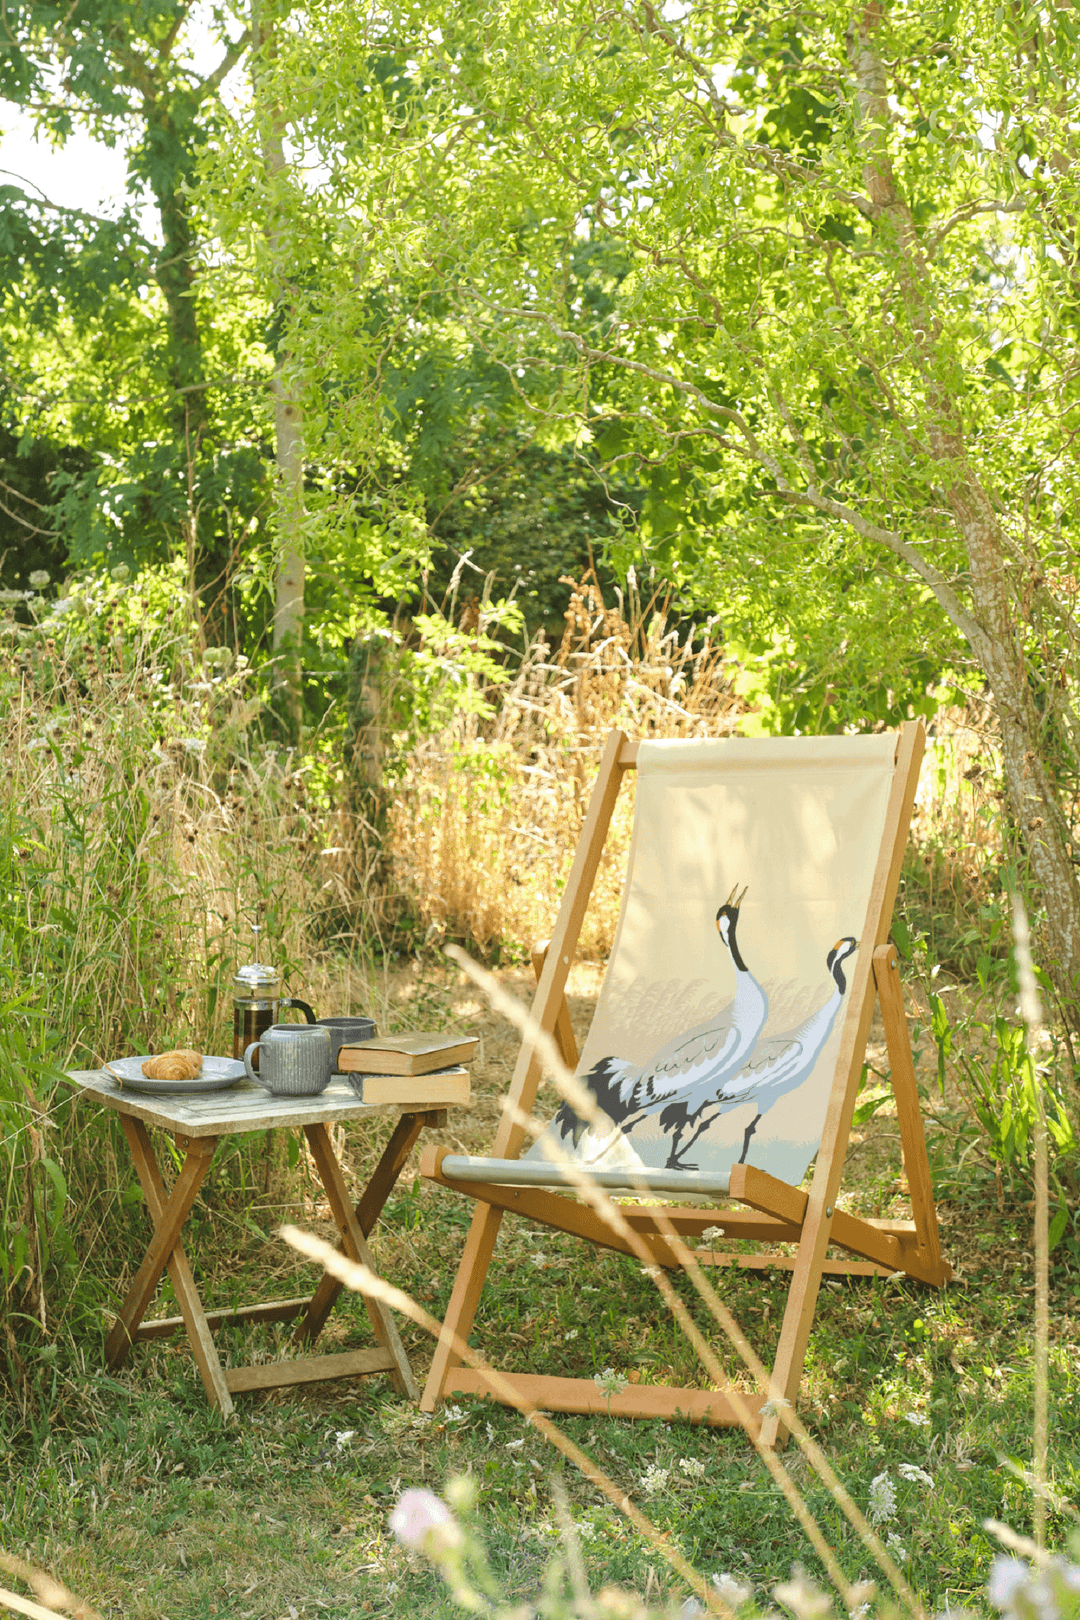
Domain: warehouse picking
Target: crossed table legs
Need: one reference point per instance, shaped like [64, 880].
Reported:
[169, 1211]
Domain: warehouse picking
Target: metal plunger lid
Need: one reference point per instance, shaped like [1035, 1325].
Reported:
[257, 979]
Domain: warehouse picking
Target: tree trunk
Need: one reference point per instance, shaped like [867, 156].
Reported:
[176, 277]
[288, 413]
[993, 630]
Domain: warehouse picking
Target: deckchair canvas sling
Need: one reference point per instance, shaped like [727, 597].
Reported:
[726, 1049]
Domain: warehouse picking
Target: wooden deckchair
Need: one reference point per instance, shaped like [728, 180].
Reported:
[778, 1210]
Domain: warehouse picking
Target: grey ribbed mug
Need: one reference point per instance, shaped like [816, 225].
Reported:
[294, 1060]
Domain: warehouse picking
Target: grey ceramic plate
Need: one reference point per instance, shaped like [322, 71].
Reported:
[217, 1073]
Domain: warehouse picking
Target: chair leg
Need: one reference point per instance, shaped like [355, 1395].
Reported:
[461, 1312]
[908, 1109]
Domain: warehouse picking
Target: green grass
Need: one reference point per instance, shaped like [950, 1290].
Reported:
[131, 1490]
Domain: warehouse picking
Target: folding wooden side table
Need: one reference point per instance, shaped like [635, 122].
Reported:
[198, 1123]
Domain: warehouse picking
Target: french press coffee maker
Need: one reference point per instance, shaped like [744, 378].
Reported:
[257, 1000]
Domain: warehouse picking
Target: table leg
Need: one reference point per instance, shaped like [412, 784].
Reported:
[168, 1213]
[354, 1243]
[368, 1210]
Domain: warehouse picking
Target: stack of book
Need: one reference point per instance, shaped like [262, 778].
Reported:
[410, 1069]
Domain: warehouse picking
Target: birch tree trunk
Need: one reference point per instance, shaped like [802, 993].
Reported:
[288, 630]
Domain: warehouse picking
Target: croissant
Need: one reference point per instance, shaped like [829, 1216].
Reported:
[178, 1065]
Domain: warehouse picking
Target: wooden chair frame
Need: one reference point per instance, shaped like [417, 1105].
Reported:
[776, 1211]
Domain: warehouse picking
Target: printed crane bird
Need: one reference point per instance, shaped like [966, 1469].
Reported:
[778, 1064]
[688, 1072]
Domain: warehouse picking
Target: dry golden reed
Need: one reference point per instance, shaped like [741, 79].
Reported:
[486, 818]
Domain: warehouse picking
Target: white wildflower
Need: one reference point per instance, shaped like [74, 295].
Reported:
[918, 1420]
[692, 1467]
[711, 1233]
[454, 1414]
[39, 578]
[654, 1479]
[609, 1382]
[514, 1445]
[573, 1333]
[882, 1499]
[805, 1600]
[913, 1471]
[343, 1436]
[586, 1530]
[1007, 1576]
[490, 1434]
[650, 1271]
[733, 1591]
[896, 1547]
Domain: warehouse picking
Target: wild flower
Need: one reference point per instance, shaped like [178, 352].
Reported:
[609, 1382]
[573, 1333]
[913, 1471]
[805, 1600]
[39, 578]
[918, 1420]
[896, 1547]
[422, 1522]
[882, 1499]
[733, 1591]
[692, 1467]
[1050, 1592]
[655, 1479]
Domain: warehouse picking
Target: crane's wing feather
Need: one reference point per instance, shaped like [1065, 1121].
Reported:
[691, 1048]
[770, 1057]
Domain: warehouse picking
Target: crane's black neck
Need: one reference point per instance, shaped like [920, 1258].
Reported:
[733, 944]
[836, 960]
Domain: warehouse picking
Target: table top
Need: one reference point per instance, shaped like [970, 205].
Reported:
[238, 1108]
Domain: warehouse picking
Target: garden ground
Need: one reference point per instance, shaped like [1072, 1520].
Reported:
[132, 1491]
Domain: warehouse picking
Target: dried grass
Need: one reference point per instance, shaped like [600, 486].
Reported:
[486, 818]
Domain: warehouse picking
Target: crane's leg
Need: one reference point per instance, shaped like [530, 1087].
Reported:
[676, 1158]
[750, 1129]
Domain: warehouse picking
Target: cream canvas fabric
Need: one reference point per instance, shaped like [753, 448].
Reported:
[712, 1044]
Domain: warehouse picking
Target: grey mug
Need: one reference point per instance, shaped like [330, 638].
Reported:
[346, 1031]
[294, 1060]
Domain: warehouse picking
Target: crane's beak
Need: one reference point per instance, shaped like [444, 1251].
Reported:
[731, 900]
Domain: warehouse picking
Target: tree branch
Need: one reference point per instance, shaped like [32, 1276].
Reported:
[994, 205]
[947, 597]
[225, 66]
[41, 201]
